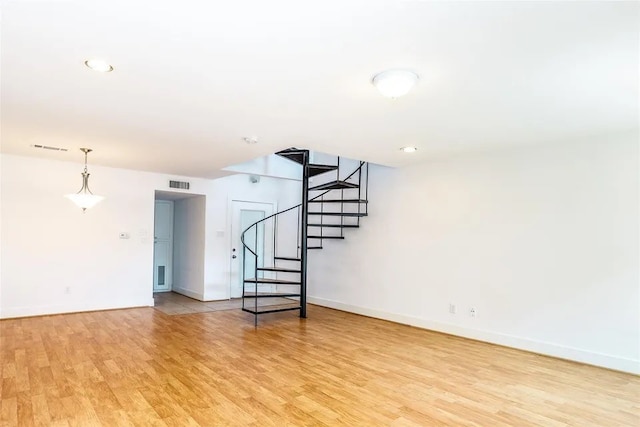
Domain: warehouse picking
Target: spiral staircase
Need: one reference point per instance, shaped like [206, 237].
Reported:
[276, 280]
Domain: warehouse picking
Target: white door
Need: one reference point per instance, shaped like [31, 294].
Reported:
[163, 246]
[258, 238]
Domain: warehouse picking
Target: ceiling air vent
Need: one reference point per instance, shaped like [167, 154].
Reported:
[182, 185]
[48, 147]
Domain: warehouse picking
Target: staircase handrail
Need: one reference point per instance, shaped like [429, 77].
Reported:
[287, 210]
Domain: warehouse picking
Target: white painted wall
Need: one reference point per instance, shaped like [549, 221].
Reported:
[542, 240]
[283, 192]
[189, 230]
[57, 259]
[271, 165]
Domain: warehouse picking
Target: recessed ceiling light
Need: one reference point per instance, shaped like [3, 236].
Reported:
[409, 149]
[99, 65]
[250, 140]
[395, 83]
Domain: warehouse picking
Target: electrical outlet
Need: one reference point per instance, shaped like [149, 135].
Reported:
[67, 290]
[452, 308]
[473, 312]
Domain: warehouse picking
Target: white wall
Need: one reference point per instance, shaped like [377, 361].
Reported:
[542, 240]
[189, 219]
[57, 259]
[271, 165]
[285, 193]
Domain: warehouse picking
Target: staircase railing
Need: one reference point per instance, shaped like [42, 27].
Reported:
[246, 250]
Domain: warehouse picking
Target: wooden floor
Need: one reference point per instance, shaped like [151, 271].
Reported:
[173, 303]
[143, 367]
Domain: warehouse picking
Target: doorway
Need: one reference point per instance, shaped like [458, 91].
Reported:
[163, 246]
[259, 239]
[178, 249]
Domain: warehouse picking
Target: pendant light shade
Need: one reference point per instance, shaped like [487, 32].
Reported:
[84, 201]
[84, 198]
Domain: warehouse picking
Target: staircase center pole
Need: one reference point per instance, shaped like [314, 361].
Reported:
[303, 234]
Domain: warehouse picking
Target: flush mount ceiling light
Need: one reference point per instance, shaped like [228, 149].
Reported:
[409, 149]
[395, 83]
[99, 65]
[84, 198]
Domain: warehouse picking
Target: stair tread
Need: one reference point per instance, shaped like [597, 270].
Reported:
[294, 154]
[325, 237]
[334, 185]
[291, 150]
[354, 214]
[272, 281]
[317, 169]
[335, 225]
[271, 309]
[249, 294]
[339, 201]
[279, 269]
[284, 258]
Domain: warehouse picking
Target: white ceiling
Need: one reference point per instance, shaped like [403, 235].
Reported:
[193, 77]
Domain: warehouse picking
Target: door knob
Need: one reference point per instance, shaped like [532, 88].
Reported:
[233, 256]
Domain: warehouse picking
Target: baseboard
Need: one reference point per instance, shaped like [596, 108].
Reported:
[549, 349]
[188, 293]
[14, 312]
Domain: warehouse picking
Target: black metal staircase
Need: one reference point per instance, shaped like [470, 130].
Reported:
[339, 206]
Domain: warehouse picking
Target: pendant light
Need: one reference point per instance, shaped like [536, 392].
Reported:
[84, 198]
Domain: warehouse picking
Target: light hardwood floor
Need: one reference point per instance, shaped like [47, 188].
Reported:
[173, 303]
[143, 367]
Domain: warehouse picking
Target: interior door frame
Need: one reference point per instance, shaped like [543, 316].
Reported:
[269, 233]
